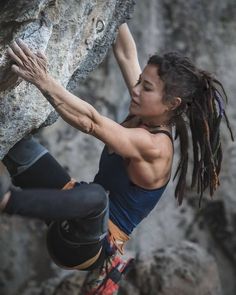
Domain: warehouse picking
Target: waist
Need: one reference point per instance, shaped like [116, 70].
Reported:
[129, 207]
[117, 236]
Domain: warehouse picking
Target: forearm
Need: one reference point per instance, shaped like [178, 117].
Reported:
[33, 68]
[72, 109]
[125, 53]
[124, 46]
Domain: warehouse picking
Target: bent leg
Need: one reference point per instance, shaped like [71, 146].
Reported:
[80, 220]
[83, 201]
[79, 215]
[78, 242]
[31, 166]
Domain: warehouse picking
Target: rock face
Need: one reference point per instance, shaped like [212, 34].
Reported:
[75, 36]
[182, 269]
[207, 33]
[20, 242]
[185, 269]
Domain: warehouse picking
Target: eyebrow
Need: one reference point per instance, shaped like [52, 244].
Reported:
[151, 84]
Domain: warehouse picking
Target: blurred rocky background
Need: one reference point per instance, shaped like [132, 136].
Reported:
[179, 250]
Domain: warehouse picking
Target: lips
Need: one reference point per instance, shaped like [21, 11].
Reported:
[134, 101]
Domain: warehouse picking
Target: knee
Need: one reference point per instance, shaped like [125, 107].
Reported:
[23, 155]
[97, 198]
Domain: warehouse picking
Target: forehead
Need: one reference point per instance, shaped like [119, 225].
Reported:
[150, 73]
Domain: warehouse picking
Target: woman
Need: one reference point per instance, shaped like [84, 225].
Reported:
[135, 167]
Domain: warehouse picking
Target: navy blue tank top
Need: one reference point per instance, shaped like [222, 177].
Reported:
[129, 204]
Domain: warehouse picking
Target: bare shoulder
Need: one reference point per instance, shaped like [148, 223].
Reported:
[136, 143]
[163, 140]
[154, 168]
[160, 145]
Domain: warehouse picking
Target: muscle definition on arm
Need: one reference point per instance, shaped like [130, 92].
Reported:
[75, 111]
[72, 109]
[33, 68]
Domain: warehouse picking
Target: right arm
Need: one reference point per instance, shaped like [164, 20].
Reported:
[77, 112]
[125, 52]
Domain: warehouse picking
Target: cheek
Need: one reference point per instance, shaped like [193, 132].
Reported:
[154, 105]
[151, 102]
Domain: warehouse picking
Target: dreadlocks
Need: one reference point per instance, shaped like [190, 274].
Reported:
[202, 107]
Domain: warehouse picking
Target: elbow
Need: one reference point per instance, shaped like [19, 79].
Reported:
[89, 122]
[86, 121]
[86, 125]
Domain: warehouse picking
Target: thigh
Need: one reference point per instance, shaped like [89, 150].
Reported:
[46, 172]
[62, 205]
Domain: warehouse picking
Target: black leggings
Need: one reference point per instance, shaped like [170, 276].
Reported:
[78, 216]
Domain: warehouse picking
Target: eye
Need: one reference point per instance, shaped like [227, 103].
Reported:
[147, 86]
[138, 81]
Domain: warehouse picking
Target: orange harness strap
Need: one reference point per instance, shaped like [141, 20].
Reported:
[70, 184]
[117, 236]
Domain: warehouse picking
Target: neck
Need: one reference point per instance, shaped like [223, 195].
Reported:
[156, 123]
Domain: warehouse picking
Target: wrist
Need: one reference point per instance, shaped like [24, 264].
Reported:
[45, 84]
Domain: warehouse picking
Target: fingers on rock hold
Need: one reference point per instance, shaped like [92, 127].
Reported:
[24, 47]
[40, 54]
[15, 68]
[13, 56]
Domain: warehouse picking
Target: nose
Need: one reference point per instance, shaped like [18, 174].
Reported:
[136, 91]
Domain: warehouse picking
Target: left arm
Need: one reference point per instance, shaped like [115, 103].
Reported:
[125, 52]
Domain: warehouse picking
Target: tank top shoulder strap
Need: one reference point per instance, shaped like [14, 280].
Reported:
[154, 131]
[166, 133]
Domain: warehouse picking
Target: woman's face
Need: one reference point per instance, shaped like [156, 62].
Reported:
[147, 95]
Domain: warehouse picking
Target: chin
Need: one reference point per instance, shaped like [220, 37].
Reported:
[133, 110]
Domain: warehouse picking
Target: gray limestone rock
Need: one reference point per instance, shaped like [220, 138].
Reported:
[206, 33]
[21, 263]
[184, 269]
[75, 36]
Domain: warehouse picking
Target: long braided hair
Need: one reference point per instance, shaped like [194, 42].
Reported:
[202, 108]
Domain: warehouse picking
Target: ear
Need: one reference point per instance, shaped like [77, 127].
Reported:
[174, 103]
